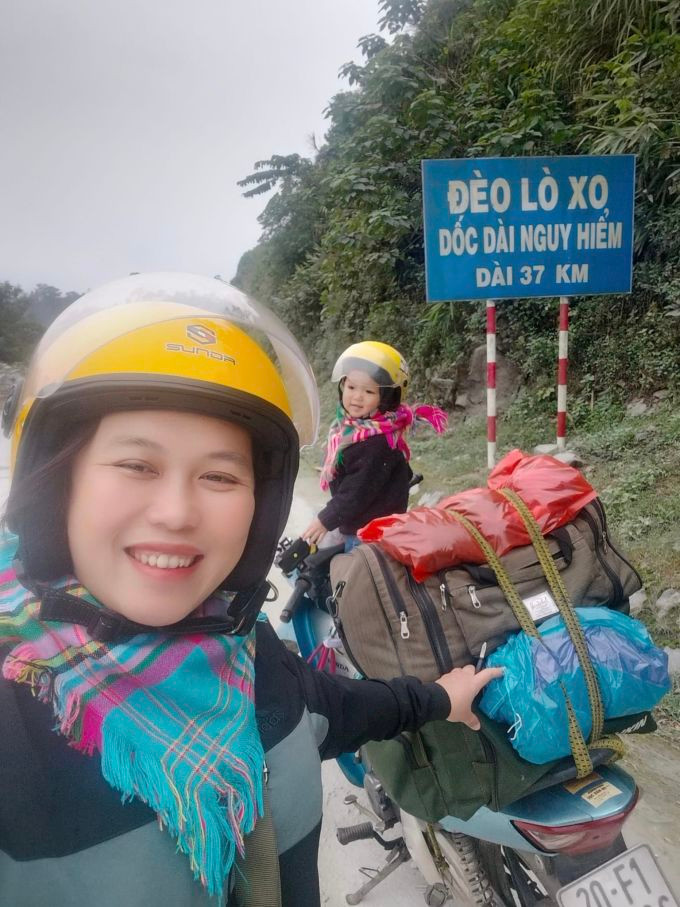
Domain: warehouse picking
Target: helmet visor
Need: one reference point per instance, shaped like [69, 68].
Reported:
[146, 299]
[375, 370]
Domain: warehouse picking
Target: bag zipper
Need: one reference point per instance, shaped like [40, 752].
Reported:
[443, 590]
[599, 506]
[433, 627]
[600, 544]
[337, 594]
[472, 592]
[398, 602]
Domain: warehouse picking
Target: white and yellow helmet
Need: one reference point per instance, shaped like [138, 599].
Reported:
[168, 341]
[385, 365]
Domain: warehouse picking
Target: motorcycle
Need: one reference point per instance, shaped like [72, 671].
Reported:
[559, 832]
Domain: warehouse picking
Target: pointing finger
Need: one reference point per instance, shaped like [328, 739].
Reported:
[486, 675]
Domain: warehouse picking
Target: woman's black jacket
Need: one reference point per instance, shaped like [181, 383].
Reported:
[67, 839]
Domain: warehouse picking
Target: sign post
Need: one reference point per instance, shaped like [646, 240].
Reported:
[508, 228]
[562, 364]
[490, 383]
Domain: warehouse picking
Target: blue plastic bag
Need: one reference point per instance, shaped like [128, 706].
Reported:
[631, 670]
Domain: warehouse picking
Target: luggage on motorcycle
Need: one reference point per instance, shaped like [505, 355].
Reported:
[632, 675]
[429, 539]
[393, 625]
[447, 769]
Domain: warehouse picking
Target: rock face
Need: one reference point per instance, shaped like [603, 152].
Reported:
[673, 660]
[472, 394]
[431, 498]
[669, 599]
[636, 408]
[464, 393]
[444, 390]
[570, 457]
[637, 601]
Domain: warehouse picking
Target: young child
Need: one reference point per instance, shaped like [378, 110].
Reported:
[153, 731]
[366, 466]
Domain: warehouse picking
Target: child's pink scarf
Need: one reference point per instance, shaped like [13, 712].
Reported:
[393, 425]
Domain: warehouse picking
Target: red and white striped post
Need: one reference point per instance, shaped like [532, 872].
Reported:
[562, 364]
[490, 383]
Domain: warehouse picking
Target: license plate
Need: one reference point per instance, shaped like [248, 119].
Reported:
[633, 879]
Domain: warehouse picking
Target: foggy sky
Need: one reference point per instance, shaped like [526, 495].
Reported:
[125, 124]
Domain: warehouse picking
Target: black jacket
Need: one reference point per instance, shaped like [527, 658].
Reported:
[66, 839]
[372, 481]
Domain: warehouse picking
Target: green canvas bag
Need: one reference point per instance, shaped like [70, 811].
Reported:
[447, 769]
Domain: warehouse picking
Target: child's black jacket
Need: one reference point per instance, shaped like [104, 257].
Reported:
[372, 480]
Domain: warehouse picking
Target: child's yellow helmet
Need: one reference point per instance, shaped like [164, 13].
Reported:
[381, 362]
[169, 341]
[385, 365]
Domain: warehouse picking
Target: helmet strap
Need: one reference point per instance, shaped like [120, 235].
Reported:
[108, 626]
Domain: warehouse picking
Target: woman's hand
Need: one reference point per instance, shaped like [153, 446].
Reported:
[463, 685]
[314, 532]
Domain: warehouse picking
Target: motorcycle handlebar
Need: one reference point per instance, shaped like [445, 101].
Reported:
[302, 585]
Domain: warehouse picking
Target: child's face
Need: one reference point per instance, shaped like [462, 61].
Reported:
[360, 395]
[159, 512]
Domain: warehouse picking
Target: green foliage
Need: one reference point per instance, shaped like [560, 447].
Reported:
[18, 333]
[341, 255]
[397, 14]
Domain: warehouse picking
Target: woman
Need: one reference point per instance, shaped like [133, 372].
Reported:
[148, 716]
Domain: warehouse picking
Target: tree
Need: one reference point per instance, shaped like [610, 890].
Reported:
[18, 333]
[46, 302]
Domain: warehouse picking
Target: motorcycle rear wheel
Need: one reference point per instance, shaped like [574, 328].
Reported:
[529, 880]
[512, 879]
[461, 870]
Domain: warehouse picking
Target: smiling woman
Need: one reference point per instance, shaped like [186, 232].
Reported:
[160, 511]
[149, 490]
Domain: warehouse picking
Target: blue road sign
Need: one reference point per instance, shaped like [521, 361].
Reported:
[503, 227]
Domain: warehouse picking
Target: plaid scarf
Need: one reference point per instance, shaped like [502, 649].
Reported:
[393, 425]
[172, 717]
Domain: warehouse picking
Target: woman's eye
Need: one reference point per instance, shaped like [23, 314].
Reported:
[221, 478]
[133, 466]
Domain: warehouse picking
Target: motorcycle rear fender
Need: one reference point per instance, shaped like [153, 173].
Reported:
[609, 791]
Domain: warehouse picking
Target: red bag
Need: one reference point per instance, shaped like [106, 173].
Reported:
[428, 539]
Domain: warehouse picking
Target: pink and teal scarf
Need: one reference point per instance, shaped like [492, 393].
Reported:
[172, 717]
[393, 425]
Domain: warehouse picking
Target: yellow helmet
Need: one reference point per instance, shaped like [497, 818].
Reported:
[167, 341]
[385, 365]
